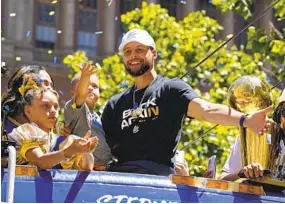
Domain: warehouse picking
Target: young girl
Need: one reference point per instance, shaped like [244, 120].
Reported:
[34, 140]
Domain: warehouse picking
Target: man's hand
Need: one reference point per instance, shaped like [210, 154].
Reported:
[253, 170]
[258, 122]
[181, 169]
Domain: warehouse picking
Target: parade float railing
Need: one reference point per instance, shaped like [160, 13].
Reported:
[33, 186]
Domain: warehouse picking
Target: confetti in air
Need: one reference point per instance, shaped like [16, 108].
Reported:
[59, 31]
[110, 2]
[6, 108]
[176, 45]
[60, 92]
[98, 32]
[49, 52]
[18, 59]
[54, 2]
[98, 66]
[123, 84]
[116, 18]
[12, 14]
[54, 60]
[51, 13]
[28, 33]
[183, 2]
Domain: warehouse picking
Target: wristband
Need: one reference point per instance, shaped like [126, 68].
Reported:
[242, 119]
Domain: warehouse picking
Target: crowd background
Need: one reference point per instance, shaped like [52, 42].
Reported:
[61, 34]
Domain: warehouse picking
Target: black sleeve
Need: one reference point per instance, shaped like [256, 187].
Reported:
[107, 119]
[181, 93]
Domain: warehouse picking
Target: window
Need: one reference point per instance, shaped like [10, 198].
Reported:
[91, 4]
[45, 30]
[211, 11]
[128, 5]
[87, 19]
[87, 41]
[170, 5]
[86, 37]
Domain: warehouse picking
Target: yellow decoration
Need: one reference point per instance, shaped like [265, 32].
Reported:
[27, 145]
[30, 85]
[73, 106]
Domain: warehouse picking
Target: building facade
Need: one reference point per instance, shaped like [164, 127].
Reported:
[44, 31]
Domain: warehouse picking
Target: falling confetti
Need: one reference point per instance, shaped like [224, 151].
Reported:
[123, 84]
[51, 13]
[59, 31]
[49, 52]
[183, 2]
[116, 18]
[28, 33]
[98, 66]
[54, 60]
[2, 38]
[230, 35]
[6, 108]
[18, 59]
[60, 92]
[219, 65]
[12, 14]
[98, 32]
[176, 45]
[54, 2]
[110, 2]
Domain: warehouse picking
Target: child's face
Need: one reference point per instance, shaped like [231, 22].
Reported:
[43, 111]
[93, 93]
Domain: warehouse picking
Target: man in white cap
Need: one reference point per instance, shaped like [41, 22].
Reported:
[233, 165]
[143, 124]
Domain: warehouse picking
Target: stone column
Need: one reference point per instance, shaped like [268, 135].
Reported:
[20, 26]
[227, 20]
[107, 21]
[183, 9]
[66, 25]
[153, 1]
[263, 22]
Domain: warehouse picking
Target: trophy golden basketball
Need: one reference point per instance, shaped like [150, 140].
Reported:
[247, 95]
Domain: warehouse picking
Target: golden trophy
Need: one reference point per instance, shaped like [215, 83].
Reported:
[249, 94]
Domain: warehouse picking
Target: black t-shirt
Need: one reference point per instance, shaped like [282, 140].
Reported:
[154, 136]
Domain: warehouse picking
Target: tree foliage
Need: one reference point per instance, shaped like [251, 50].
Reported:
[266, 48]
[181, 45]
[244, 7]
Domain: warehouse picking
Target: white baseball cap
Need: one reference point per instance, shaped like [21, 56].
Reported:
[137, 35]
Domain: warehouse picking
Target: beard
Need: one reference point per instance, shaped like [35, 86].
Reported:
[143, 69]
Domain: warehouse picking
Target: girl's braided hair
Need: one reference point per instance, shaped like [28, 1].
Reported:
[32, 87]
[13, 102]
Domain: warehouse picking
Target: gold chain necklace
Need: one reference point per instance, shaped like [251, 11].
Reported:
[137, 109]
